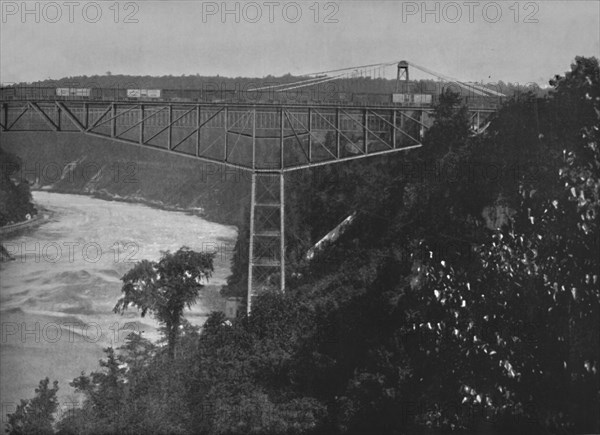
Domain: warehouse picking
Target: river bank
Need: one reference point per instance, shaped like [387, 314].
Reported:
[101, 168]
[105, 195]
[42, 215]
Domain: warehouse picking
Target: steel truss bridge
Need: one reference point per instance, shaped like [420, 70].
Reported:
[267, 140]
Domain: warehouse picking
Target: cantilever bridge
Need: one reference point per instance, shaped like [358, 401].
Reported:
[266, 139]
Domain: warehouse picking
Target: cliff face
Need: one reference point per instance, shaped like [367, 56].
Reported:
[75, 163]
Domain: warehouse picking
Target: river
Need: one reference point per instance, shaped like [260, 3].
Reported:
[57, 296]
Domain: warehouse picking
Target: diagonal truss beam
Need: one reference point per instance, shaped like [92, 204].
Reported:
[25, 109]
[229, 151]
[313, 136]
[365, 126]
[70, 115]
[292, 168]
[195, 131]
[108, 109]
[403, 113]
[396, 128]
[144, 119]
[170, 124]
[48, 120]
[295, 135]
[337, 130]
[98, 124]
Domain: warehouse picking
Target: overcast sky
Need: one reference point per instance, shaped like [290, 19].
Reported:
[473, 41]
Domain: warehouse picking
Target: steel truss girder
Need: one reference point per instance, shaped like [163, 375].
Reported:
[366, 131]
[305, 126]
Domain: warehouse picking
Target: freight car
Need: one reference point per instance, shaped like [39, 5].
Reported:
[232, 96]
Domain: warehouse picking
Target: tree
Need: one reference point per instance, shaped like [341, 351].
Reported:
[237, 281]
[242, 382]
[15, 198]
[104, 399]
[35, 416]
[525, 311]
[166, 287]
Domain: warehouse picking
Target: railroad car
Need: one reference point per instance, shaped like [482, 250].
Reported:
[422, 98]
[76, 93]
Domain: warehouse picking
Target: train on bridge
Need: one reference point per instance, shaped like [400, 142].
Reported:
[24, 93]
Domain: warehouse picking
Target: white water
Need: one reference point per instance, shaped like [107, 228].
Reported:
[56, 298]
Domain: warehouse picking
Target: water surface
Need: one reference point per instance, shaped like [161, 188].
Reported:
[57, 296]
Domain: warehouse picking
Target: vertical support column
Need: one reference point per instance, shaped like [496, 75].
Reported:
[281, 206]
[309, 135]
[170, 129]
[365, 132]
[281, 140]
[402, 121]
[141, 123]
[478, 122]
[251, 244]
[252, 216]
[225, 132]
[198, 131]
[422, 126]
[394, 128]
[282, 229]
[86, 115]
[113, 121]
[253, 138]
[337, 133]
[5, 115]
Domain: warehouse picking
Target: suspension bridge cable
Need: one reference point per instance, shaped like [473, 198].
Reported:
[285, 84]
[474, 88]
[355, 67]
[317, 79]
[328, 79]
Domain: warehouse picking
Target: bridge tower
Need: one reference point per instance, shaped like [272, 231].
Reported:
[402, 76]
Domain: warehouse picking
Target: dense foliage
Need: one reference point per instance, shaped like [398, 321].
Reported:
[15, 198]
[36, 416]
[166, 287]
[464, 296]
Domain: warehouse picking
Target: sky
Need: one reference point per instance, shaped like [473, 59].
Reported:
[519, 42]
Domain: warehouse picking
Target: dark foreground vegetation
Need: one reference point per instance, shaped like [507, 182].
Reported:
[464, 297]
